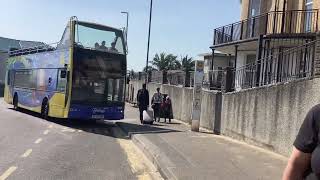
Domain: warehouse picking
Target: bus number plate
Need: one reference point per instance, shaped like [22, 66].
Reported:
[97, 116]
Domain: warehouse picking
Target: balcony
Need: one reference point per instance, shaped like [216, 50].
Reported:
[272, 23]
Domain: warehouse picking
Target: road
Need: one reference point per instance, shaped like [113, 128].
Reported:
[33, 148]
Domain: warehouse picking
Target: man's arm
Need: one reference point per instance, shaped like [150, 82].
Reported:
[298, 164]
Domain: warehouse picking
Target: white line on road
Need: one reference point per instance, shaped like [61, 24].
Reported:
[38, 141]
[27, 153]
[8, 172]
[46, 132]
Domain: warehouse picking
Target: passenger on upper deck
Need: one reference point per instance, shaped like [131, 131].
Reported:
[103, 46]
[113, 47]
[96, 45]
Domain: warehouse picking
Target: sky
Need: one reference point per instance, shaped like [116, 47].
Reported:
[180, 27]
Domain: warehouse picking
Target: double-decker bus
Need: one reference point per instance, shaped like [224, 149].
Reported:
[81, 77]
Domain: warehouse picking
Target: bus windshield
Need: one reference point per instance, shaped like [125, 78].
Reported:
[98, 78]
[99, 38]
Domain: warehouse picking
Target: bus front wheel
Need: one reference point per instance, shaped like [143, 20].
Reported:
[45, 109]
[15, 102]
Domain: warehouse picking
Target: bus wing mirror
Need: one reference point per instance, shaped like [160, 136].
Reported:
[63, 74]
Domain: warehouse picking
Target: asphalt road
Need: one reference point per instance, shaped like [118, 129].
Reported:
[33, 148]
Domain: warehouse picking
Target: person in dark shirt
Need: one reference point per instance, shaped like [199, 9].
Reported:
[103, 46]
[143, 100]
[304, 162]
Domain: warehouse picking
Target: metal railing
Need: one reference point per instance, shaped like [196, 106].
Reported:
[35, 49]
[294, 63]
[275, 22]
[213, 79]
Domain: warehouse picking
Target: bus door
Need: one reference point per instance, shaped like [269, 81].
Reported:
[62, 84]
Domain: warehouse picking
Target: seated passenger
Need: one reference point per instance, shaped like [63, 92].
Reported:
[96, 46]
[103, 46]
[113, 47]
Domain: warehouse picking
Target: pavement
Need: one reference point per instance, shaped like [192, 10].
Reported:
[178, 153]
[33, 148]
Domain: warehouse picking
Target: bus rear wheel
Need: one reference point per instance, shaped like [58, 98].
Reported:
[45, 109]
[15, 102]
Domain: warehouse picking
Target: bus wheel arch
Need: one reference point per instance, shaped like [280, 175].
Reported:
[45, 108]
[15, 101]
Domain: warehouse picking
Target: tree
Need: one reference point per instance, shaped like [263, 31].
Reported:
[150, 68]
[187, 64]
[164, 62]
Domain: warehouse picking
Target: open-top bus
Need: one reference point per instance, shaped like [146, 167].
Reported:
[82, 77]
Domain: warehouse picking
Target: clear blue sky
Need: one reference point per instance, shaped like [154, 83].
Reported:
[181, 27]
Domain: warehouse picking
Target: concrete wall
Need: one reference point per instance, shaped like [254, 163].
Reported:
[271, 116]
[181, 98]
[210, 110]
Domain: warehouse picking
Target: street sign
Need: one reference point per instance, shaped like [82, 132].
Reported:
[196, 103]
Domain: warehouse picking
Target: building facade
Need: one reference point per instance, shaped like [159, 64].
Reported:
[273, 42]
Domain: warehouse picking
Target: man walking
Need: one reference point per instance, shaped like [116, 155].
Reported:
[156, 104]
[143, 100]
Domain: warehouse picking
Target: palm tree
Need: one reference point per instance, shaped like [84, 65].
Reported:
[164, 62]
[187, 64]
[150, 68]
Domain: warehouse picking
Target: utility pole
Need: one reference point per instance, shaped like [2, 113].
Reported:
[150, 20]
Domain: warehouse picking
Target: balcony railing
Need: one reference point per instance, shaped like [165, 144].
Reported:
[275, 22]
[294, 63]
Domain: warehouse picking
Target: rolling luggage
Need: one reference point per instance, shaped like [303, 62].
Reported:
[148, 117]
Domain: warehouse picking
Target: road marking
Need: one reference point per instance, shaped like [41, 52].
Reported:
[38, 141]
[8, 172]
[46, 132]
[27, 153]
[136, 161]
[67, 129]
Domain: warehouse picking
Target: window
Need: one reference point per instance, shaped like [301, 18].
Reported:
[25, 79]
[254, 9]
[308, 16]
[99, 38]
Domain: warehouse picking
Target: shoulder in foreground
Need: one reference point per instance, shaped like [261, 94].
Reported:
[316, 108]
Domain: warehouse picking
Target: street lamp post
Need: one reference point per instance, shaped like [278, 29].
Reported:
[150, 18]
[127, 13]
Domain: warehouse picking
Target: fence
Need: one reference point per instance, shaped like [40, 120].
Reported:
[285, 66]
[276, 22]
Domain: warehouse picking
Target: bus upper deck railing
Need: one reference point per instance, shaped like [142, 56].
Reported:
[35, 49]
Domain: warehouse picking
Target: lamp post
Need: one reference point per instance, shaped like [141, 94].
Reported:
[150, 18]
[127, 13]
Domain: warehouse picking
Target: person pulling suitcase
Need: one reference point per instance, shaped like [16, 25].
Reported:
[143, 101]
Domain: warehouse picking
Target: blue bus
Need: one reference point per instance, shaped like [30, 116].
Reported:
[81, 77]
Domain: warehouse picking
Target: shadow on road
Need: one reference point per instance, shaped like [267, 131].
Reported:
[131, 128]
[105, 128]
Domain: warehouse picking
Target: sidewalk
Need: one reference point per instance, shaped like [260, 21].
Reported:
[179, 153]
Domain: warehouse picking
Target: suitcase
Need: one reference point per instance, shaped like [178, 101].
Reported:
[148, 117]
